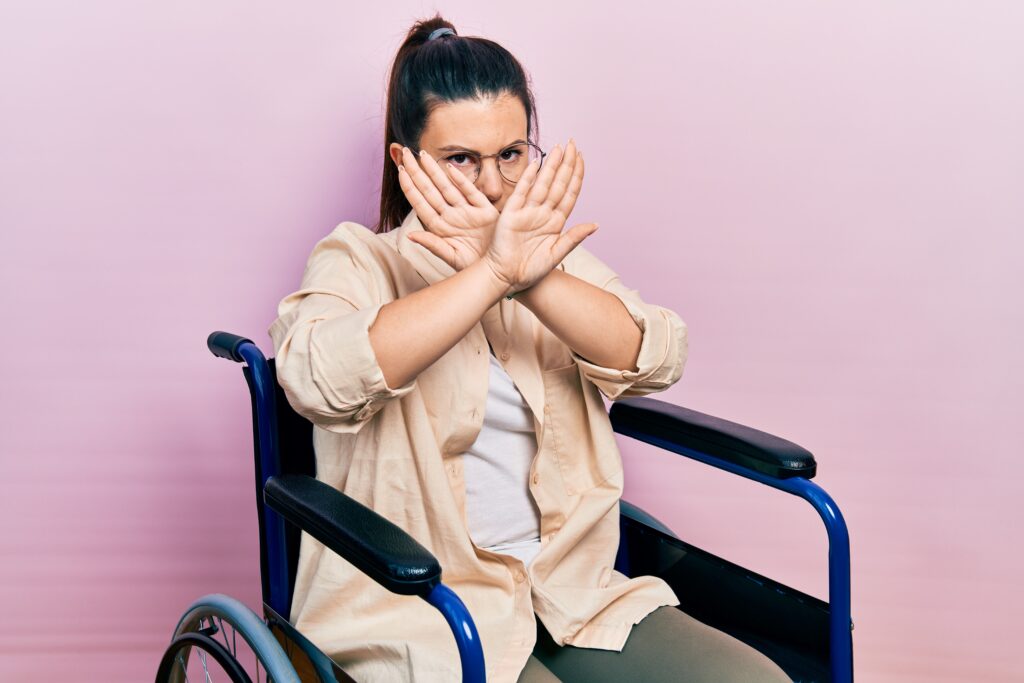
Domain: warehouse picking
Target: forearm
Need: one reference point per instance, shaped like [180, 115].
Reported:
[412, 332]
[591, 321]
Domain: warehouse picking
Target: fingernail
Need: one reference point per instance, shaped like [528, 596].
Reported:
[401, 167]
[423, 153]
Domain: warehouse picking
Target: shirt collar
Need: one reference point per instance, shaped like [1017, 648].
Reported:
[431, 268]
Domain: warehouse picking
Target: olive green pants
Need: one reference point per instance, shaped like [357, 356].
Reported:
[667, 645]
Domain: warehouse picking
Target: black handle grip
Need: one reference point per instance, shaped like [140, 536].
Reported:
[225, 345]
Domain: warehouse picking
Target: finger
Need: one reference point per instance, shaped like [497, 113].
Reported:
[428, 216]
[423, 182]
[571, 238]
[572, 192]
[439, 178]
[562, 176]
[435, 245]
[471, 191]
[539, 191]
[523, 185]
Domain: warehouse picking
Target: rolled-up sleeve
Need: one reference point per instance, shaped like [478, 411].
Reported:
[664, 344]
[325, 363]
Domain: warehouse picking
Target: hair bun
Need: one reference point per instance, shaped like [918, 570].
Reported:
[438, 32]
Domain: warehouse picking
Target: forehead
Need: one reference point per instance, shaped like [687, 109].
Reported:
[482, 125]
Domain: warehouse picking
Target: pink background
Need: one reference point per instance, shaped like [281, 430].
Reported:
[829, 194]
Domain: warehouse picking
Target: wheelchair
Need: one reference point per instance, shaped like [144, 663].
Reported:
[811, 640]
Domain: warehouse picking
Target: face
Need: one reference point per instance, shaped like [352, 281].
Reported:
[483, 126]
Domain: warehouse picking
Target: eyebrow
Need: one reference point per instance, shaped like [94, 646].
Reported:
[457, 148]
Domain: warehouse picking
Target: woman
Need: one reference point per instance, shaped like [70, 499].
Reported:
[453, 364]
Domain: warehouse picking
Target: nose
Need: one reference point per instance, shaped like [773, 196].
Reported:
[489, 181]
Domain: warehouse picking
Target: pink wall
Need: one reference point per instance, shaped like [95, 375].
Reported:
[829, 195]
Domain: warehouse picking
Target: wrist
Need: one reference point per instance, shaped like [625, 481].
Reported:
[528, 294]
[519, 293]
[495, 285]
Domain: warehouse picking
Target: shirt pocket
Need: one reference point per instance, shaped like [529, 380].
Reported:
[584, 458]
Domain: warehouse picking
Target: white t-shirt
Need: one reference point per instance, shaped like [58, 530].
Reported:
[502, 514]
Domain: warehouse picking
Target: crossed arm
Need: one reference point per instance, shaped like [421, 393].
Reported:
[591, 321]
[412, 332]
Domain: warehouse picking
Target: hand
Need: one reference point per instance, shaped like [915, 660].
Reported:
[457, 217]
[528, 239]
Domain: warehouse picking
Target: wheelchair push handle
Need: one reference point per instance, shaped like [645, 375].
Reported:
[225, 345]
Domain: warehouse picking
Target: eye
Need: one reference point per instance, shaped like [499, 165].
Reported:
[460, 160]
[511, 155]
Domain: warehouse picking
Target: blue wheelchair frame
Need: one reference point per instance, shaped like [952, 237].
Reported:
[711, 589]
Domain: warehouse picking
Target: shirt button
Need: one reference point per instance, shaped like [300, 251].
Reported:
[504, 355]
[520, 576]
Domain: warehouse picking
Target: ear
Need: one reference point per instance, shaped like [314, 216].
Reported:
[395, 150]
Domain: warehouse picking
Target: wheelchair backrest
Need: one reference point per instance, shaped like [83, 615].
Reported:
[294, 455]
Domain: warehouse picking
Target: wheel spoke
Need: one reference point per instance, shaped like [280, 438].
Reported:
[184, 667]
[231, 647]
[206, 670]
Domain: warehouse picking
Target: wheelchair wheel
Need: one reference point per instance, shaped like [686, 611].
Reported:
[229, 643]
[177, 656]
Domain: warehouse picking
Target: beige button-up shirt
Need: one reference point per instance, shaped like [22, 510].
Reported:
[398, 450]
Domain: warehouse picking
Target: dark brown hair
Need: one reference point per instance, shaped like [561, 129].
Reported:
[425, 74]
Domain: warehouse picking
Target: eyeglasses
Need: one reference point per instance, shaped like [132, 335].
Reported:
[512, 161]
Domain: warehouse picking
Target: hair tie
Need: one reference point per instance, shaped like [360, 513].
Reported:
[437, 32]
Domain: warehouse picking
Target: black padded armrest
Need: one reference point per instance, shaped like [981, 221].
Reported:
[729, 441]
[375, 545]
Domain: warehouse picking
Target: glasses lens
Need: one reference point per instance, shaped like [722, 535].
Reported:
[515, 159]
[469, 164]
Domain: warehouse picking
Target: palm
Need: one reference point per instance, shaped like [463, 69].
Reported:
[464, 233]
[458, 219]
[528, 239]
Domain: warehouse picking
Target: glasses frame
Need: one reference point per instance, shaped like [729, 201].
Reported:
[480, 158]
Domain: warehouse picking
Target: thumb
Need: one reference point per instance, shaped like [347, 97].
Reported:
[435, 245]
[571, 238]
